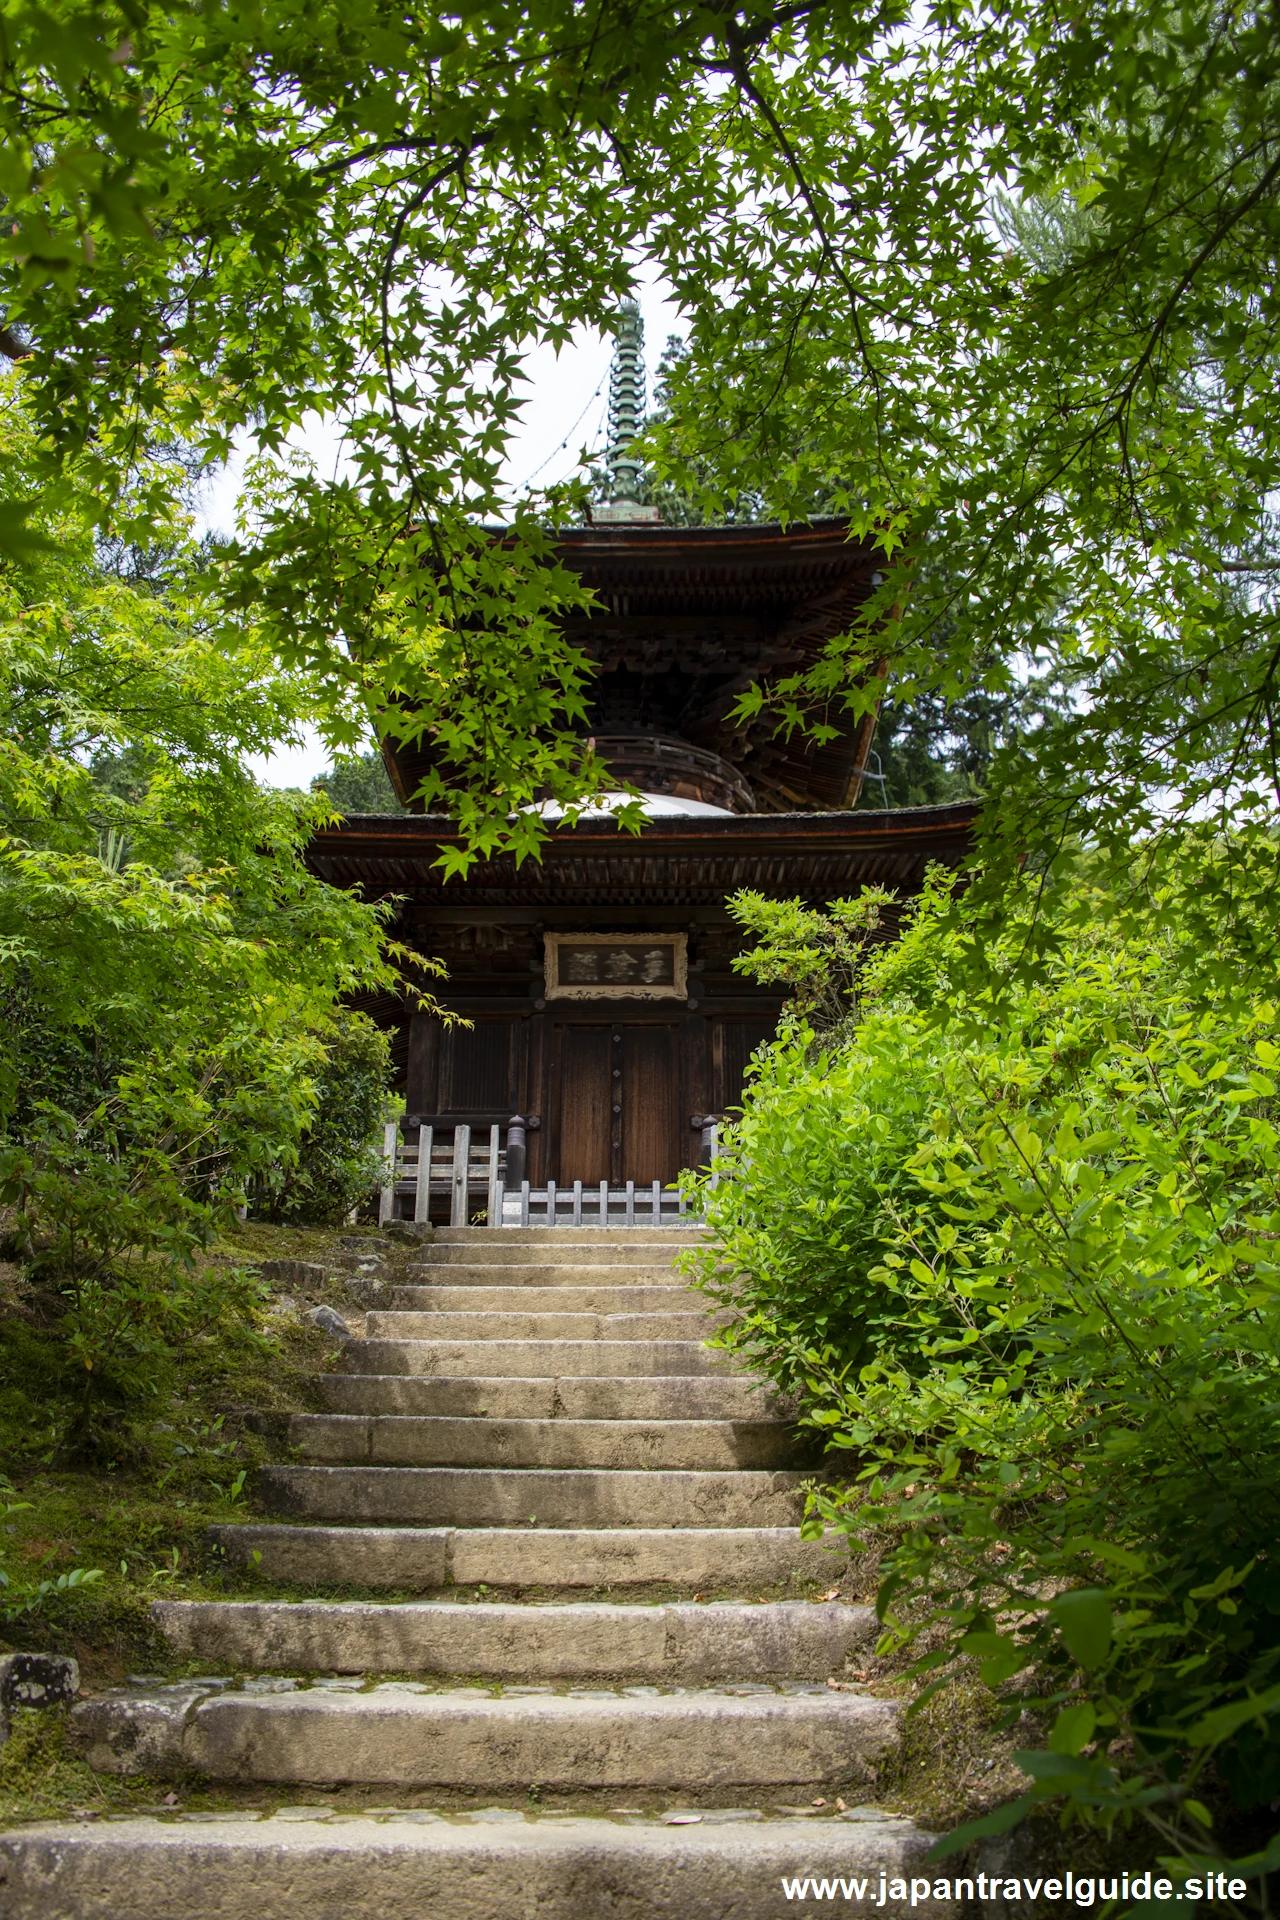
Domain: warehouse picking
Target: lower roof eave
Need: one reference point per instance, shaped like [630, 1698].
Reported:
[676, 860]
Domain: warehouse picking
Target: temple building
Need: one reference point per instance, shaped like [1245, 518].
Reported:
[605, 1017]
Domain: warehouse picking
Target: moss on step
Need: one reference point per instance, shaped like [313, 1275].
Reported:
[41, 1778]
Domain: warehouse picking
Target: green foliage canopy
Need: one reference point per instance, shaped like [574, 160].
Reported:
[1056, 409]
[359, 784]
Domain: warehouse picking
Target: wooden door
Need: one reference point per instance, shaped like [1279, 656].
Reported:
[650, 1132]
[617, 1103]
[584, 1132]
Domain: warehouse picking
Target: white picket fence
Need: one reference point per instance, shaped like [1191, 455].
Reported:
[470, 1169]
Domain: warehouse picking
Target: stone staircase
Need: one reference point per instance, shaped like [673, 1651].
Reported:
[534, 1415]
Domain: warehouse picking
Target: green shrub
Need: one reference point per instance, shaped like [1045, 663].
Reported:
[1018, 1252]
[339, 1156]
[815, 1171]
[802, 1218]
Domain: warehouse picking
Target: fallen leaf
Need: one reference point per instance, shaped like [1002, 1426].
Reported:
[817, 1803]
[681, 1819]
[841, 1806]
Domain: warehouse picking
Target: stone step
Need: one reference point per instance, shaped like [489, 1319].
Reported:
[533, 1359]
[540, 1326]
[553, 1255]
[419, 1559]
[491, 1864]
[393, 1737]
[789, 1639]
[678, 1397]
[597, 1297]
[544, 1273]
[397, 1440]
[557, 1497]
[613, 1235]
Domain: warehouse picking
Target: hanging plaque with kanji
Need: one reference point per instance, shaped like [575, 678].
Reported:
[616, 966]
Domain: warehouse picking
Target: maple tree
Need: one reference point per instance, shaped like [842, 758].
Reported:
[996, 283]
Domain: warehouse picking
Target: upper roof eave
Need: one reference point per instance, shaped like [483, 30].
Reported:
[757, 543]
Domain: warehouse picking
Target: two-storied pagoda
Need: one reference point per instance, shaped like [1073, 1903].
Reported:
[599, 987]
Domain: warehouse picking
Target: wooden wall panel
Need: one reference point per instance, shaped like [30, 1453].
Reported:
[535, 1082]
[733, 1041]
[423, 1071]
[695, 1081]
[478, 1068]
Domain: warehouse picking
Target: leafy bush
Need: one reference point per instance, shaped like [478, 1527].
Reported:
[338, 1160]
[1018, 1252]
[170, 971]
[801, 1218]
[811, 1173]
[821, 957]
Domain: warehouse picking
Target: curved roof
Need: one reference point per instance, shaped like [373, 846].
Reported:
[689, 617]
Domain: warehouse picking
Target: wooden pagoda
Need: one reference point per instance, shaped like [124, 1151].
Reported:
[604, 1015]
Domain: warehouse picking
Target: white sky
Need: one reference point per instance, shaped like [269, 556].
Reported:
[566, 409]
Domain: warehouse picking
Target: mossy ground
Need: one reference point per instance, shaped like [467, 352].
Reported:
[135, 1506]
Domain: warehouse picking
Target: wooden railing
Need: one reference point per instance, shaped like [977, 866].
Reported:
[442, 1160]
[470, 1167]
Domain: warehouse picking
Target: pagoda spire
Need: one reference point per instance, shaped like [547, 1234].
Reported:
[626, 404]
[623, 465]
